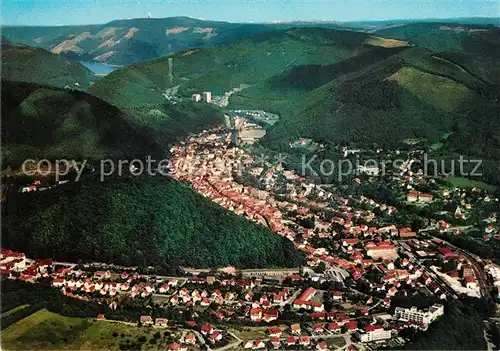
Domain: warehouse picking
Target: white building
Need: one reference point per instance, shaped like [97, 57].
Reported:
[373, 333]
[369, 169]
[207, 96]
[196, 97]
[413, 314]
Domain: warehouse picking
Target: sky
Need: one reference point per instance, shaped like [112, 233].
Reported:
[73, 12]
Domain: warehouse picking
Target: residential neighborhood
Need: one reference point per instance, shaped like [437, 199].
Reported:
[363, 265]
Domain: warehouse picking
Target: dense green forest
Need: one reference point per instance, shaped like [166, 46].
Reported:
[382, 96]
[385, 97]
[45, 122]
[139, 221]
[439, 36]
[168, 123]
[221, 68]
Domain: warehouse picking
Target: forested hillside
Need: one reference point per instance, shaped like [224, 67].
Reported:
[413, 93]
[221, 68]
[168, 123]
[342, 86]
[476, 39]
[45, 122]
[22, 63]
[139, 220]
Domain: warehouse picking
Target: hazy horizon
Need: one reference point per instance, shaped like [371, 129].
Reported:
[86, 12]
[258, 22]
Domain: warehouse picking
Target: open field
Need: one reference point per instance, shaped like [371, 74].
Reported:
[251, 333]
[465, 183]
[45, 330]
[335, 343]
[413, 141]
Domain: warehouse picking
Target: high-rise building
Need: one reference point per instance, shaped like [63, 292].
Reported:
[420, 316]
[196, 97]
[207, 96]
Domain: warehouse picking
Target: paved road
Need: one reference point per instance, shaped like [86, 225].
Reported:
[118, 322]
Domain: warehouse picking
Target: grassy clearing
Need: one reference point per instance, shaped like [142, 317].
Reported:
[45, 330]
[335, 343]
[431, 88]
[436, 146]
[386, 43]
[251, 333]
[413, 141]
[466, 183]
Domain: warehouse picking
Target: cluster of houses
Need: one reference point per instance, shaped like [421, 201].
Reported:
[362, 243]
[37, 186]
[291, 341]
[210, 171]
[15, 265]
[264, 309]
[417, 196]
[81, 284]
[305, 300]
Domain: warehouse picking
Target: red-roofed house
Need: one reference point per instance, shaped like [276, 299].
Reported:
[318, 328]
[214, 337]
[274, 332]
[190, 339]
[295, 329]
[161, 322]
[322, 346]
[146, 320]
[259, 344]
[304, 340]
[446, 253]
[247, 344]
[352, 325]
[291, 340]
[470, 282]
[275, 343]
[207, 329]
[332, 327]
[256, 314]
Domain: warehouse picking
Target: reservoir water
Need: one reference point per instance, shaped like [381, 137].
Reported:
[99, 69]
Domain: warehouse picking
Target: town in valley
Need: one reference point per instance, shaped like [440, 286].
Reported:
[365, 262]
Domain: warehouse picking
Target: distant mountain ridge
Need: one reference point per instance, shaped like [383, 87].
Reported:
[128, 41]
[124, 42]
[441, 36]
